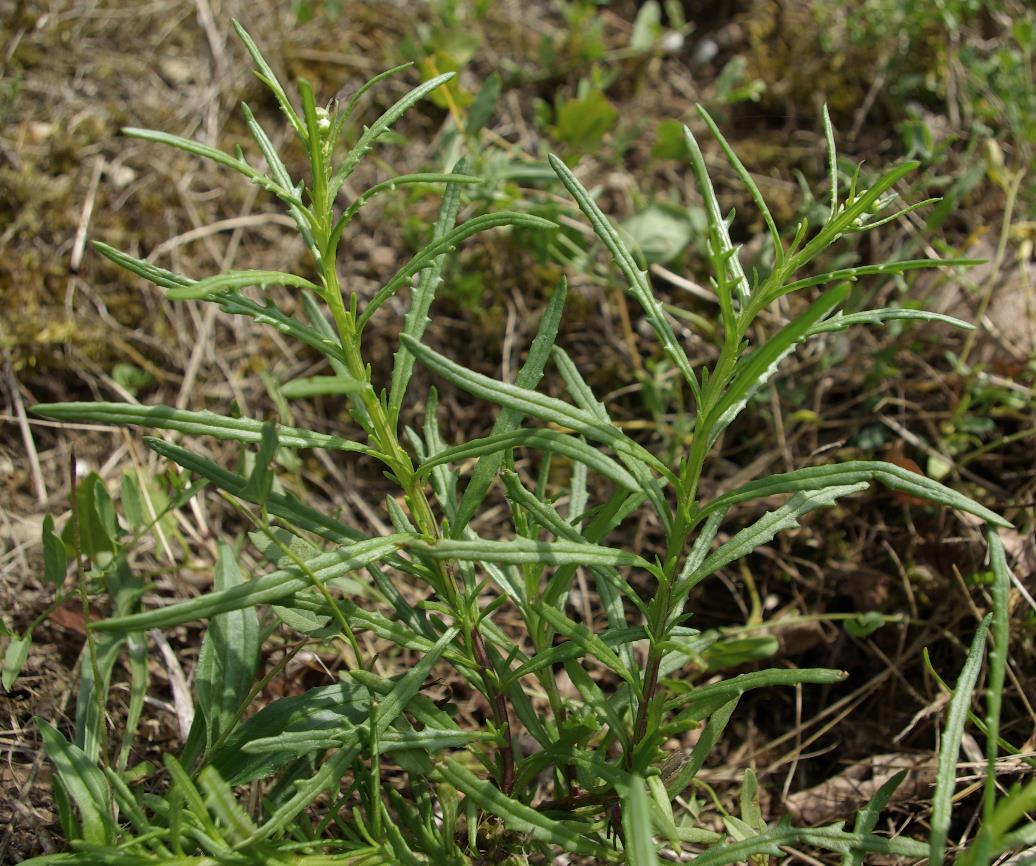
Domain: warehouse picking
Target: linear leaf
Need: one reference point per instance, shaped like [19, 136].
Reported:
[842, 321]
[552, 441]
[202, 289]
[525, 551]
[517, 816]
[589, 643]
[266, 75]
[447, 243]
[636, 824]
[422, 296]
[535, 404]
[510, 417]
[854, 472]
[267, 313]
[159, 276]
[637, 283]
[192, 423]
[764, 529]
[949, 750]
[372, 133]
[321, 386]
[882, 269]
[867, 817]
[264, 590]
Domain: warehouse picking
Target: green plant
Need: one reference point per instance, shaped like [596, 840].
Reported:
[597, 781]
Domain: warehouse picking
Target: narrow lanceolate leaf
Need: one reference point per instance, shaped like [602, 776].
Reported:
[510, 417]
[159, 276]
[723, 246]
[266, 75]
[953, 733]
[526, 551]
[409, 685]
[750, 185]
[447, 243]
[372, 133]
[589, 643]
[636, 824]
[421, 297]
[238, 280]
[264, 590]
[882, 269]
[854, 472]
[321, 386]
[563, 444]
[84, 782]
[867, 817]
[637, 281]
[192, 423]
[535, 404]
[756, 369]
[229, 654]
[841, 322]
[517, 816]
[765, 528]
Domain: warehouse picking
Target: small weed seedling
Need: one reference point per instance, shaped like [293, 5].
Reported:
[549, 773]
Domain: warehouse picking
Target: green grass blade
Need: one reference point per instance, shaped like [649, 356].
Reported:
[853, 472]
[637, 282]
[202, 289]
[535, 404]
[372, 133]
[517, 816]
[422, 296]
[206, 423]
[264, 590]
[953, 732]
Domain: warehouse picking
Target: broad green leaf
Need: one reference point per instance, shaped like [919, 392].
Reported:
[949, 750]
[192, 423]
[637, 282]
[517, 816]
[55, 555]
[661, 233]
[94, 520]
[535, 404]
[232, 280]
[264, 590]
[854, 472]
[229, 655]
[553, 441]
[15, 656]
[260, 481]
[764, 529]
[84, 782]
[636, 824]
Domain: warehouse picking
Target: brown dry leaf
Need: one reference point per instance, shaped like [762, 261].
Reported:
[842, 795]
